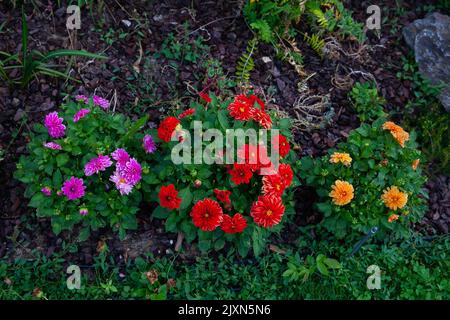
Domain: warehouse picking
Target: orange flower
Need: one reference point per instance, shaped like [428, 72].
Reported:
[341, 157]
[415, 164]
[393, 198]
[397, 132]
[392, 218]
[342, 192]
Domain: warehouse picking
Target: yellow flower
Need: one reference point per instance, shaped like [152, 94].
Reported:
[393, 198]
[392, 218]
[415, 164]
[397, 132]
[341, 157]
[342, 192]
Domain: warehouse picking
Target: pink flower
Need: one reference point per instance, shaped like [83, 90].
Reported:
[81, 97]
[84, 211]
[80, 114]
[73, 188]
[132, 171]
[97, 164]
[122, 157]
[121, 182]
[46, 191]
[52, 145]
[54, 125]
[149, 144]
[101, 102]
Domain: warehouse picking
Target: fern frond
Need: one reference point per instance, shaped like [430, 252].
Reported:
[315, 42]
[246, 64]
[264, 30]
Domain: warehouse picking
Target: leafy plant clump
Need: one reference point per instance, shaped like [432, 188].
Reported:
[372, 180]
[83, 169]
[223, 201]
[367, 102]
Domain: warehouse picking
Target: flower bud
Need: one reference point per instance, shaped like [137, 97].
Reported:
[197, 183]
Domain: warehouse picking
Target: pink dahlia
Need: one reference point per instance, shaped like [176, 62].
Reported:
[80, 114]
[54, 125]
[122, 157]
[101, 102]
[46, 191]
[97, 164]
[81, 98]
[149, 144]
[132, 171]
[73, 188]
[52, 145]
[84, 211]
[121, 182]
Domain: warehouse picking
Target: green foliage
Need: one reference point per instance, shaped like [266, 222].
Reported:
[425, 113]
[97, 133]
[34, 63]
[245, 63]
[368, 105]
[316, 43]
[303, 270]
[378, 162]
[184, 49]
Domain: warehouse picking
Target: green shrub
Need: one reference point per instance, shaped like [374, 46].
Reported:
[371, 160]
[367, 103]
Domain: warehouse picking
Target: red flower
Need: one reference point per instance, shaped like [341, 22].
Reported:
[205, 96]
[285, 171]
[186, 113]
[223, 196]
[267, 211]
[235, 224]
[241, 173]
[262, 118]
[254, 156]
[254, 99]
[167, 127]
[273, 185]
[207, 214]
[168, 197]
[283, 145]
[241, 108]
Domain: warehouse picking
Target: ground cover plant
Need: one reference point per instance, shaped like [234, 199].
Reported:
[108, 182]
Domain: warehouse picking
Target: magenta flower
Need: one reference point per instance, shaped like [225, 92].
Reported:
[54, 125]
[81, 98]
[73, 188]
[132, 171]
[96, 165]
[121, 182]
[149, 144]
[122, 157]
[101, 102]
[84, 211]
[52, 145]
[46, 191]
[80, 114]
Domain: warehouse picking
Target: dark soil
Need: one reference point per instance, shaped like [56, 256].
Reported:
[222, 25]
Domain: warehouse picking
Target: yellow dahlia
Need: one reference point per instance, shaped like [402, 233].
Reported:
[393, 198]
[397, 132]
[341, 157]
[342, 192]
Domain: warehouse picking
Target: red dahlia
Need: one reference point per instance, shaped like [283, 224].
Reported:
[267, 211]
[262, 118]
[254, 156]
[223, 196]
[241, 173]
[285, 171]
[283, 145]
[186, 113]
[168, 197]
[273, 185]
[205, 97]
[235, 224]
[207, 214]
[167, 127]
[241, 108]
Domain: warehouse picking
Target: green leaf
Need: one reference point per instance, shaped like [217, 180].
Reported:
[223, 119]
[37, 200]
[84, 234]
[134, 128]
[186, 198]
[332, 263]
[160, 213]
[62, 159]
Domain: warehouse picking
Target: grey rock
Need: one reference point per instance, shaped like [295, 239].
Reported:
[430, 40]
